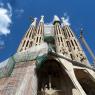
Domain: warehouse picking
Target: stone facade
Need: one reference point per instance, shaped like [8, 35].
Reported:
[63, 70]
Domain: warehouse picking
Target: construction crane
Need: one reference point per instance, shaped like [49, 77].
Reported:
[87, 46]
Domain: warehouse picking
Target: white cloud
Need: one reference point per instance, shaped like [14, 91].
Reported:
[5, 19]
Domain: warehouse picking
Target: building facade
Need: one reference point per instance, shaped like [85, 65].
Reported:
[49, 61]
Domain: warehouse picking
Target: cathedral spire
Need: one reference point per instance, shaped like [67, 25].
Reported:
[42, 19]
[34, 22]
[38, 39]
[49, 61]
[56, 19]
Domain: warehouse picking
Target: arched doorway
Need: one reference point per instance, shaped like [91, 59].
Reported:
[53, 78]
[85, 81]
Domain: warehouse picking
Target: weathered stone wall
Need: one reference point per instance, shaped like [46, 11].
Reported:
[19, 83]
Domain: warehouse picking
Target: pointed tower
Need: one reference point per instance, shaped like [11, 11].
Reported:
[59, 37]
[39, 36]
[27, 40]
[49, 61]
[74, 48]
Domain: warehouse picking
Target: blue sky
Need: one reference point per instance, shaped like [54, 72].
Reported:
[80, 12]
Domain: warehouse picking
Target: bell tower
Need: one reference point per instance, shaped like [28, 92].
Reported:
[74, 48]
[27, 40]
[49, 61]
[59, 37]
[39, 36]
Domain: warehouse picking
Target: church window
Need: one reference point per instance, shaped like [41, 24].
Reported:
[69, 45]
[61, 39]
[37, 40]
[27, 43]
[72, 44]
[75, 42]
[72, 57]
[24, 43]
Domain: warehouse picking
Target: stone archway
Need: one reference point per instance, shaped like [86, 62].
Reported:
[85, 81]
[53, 79]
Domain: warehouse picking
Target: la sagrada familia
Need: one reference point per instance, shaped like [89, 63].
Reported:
[49, 61]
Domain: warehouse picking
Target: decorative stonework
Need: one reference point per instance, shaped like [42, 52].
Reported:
[49, 61]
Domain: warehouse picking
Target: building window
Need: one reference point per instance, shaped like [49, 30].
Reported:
[71, 33]
[68, 31]
[72, 57]
[77, 55]
[37, 40]
[69, 45]
[41, 30]
[61, 39]
[59, 29]
[38, 29]
[30, 35]
[30, 44]
[65, 34]
[75, 42]
[23, 43]
[56, 29]
[62, 44]
[72, 44]
[58, 39]
[28, 32]
[40, 40]
[21, 49]
[56, 32]
[27, 43]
